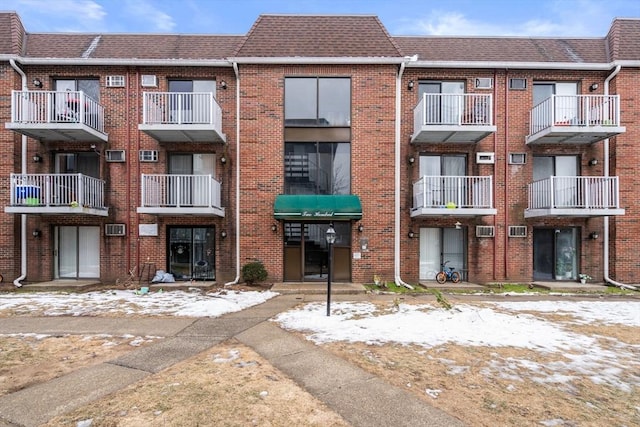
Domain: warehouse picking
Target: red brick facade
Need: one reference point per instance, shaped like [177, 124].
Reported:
[259, 132]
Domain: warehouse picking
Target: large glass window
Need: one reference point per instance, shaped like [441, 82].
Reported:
[317, 101]
[317, 168]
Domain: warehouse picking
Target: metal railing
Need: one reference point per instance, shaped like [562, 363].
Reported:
[57, 190]
[577, 192]
[454, 109]
[176, 108]
[453, 192]
[43, 106]
[180, 191]
[576, 110]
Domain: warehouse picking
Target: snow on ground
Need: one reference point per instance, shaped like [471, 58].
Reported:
[519, 324]
[174, 303]
[501, 324]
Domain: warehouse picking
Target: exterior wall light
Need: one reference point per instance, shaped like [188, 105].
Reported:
[36, 233]
[274, 227]
[594, 86]
[223, 234]
[37, 82]
[594, 235]
[37, 158]
[593, 162]
[411, 234]
[410, 85]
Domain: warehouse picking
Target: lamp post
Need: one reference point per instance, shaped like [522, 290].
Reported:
[331, 239]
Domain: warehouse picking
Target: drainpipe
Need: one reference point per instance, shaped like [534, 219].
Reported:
[23, 217]
[237, 279]
[605, 255]
[397, 233]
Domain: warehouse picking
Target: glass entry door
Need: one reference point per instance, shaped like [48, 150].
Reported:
[192, 253]
[77, 253]
[438, 245]
[306, 252]
[555, 254]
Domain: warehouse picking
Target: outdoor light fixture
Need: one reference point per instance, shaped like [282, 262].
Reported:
[274, 227]
[411, 160]
[411, 234]
[458, 225]
[593, 162]
[594, 86]
[331, 239]
[37, 158]
[223, 84]
[223, 160]
[37, 82]
[360, 228]
[410, 85]
[223, 234]
[594, 235]
[36, 233]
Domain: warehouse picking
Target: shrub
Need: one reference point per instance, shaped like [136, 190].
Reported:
[254, 272]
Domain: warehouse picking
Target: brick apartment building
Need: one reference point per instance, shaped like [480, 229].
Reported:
[512, 158]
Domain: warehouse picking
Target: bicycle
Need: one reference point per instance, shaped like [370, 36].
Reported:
[447, 273]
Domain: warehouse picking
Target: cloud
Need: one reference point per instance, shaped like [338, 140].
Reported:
[64, 15]
[143, 10]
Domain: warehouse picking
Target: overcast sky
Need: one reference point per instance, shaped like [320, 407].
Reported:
[579, 18]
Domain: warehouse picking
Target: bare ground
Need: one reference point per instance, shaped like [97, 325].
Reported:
[231, 385]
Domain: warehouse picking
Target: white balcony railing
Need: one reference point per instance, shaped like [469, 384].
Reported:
[42, 107]
[458, 192]
[576, 110]
[54, 190]
[575, 192]
[454, 109]
[180, 191]
[172, 108]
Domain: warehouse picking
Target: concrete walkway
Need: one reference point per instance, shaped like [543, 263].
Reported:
[358, 396]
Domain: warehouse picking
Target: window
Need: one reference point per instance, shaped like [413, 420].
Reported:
[440, 176]
[565, 173]
[565, 104]
[444, 101]
[86, 163]
[190, 100]
[317, 101]
[91, 87]
[317, 168]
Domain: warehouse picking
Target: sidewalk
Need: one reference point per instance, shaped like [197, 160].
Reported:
[359, 397]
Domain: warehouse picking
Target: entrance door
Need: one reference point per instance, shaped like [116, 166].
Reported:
[191, 101]
[306, 252]
[440, 190]
[446, 107]
[191, 186]
[438, 245]
[77, 253]
[565, 169]
[192, 253]
[555, 254]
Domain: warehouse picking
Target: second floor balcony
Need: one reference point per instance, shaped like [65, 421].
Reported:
[575, 119]
[180, 195]
[51, 116]
[453, 118]
[74, 194]
[453, 196]
[574, 196]
[182, 117]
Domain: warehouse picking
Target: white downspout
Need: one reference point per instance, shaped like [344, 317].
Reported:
[397, 234]
[606, 218]
[237, 164]
[23, 217]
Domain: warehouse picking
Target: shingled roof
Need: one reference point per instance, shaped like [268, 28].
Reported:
[290, 36]
[503, 49]
[131, 46]
[321, 36]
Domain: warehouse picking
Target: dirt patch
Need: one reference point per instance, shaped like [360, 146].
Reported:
[228, 385]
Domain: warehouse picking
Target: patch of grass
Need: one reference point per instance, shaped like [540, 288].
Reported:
[515, 288]
[391, 287]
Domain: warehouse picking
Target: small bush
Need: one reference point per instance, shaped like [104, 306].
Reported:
[254, 272]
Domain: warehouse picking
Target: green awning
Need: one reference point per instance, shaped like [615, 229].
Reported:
[317, 207]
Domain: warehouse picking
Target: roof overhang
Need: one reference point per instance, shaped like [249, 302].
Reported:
[317, 207]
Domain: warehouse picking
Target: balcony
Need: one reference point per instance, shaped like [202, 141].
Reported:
[57, 116]
[453, 196]
[180, 195]
[73, 194]
[452, 118]
[182, 117]
[575, 119]
[574, 196]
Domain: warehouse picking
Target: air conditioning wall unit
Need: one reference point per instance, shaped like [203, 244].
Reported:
[517, 84]
[115, 156]
[484, 83]
[149, 80]
[486, 158]
[517, 231]
[517, 158]
[115, 81]
[148, 155]
[485, 231]
[114, 229]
